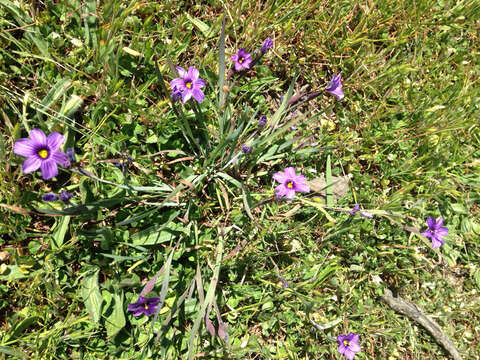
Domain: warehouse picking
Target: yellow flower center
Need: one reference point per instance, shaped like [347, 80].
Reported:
[146, 306]
[188, 84]
[43, 153]
[241, 60]
[346, 343]
[290, 185]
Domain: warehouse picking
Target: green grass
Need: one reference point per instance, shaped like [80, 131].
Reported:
[406, 131]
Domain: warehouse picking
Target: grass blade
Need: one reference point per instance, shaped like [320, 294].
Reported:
[208, 297]
[328, 179]
[221, 71]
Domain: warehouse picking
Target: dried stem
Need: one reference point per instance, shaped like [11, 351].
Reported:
[416, 314]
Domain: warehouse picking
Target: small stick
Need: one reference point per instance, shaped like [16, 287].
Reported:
[416, 314]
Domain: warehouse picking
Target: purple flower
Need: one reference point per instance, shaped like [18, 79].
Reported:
[146, 306]
[71, 155]
[262, 121]
[290, 182]
[356, 209]
[176, 94]
[65, 196]
[242, 60]
[246, 149]
[335, 87]
[41, 152]
[348, 345]
[436, 231]
[267, 44]
[187, 85]
[50, 197]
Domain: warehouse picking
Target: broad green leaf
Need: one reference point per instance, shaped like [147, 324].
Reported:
[204, 28]
[60, 231]
[91, 295]
[157, 234]
[13, 272]
[116, 320]
[7, 350]
[23, 325]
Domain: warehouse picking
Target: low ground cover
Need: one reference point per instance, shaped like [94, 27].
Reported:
[200, 200]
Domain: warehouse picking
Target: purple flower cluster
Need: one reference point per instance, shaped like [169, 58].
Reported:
[64, 196]
[290, 183]
[267, 44]
[246, 149]
[436, 231]
[262, 121]
[242, 60]
[335, 87]
[146, 306]
[187, 85]
[42, 153]
[356, 209]
[348, 345]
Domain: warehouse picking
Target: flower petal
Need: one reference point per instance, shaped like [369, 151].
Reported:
[290, 194]
[38, 137]
[139, 312]
[439, 223]
[49, 169]
[193, 73]
[338, 93]
[178, 83]
[198, 95]
[280, 191]
[199, 83]
[186, 95]
[234, 57]
[354, 346]
[349, 354]
[151, 310]
[132, 307]
[431, 223]
[54, 140]
[301, 187]
[181, 71]
[427, 234]
[280, 177]
[290, 172]
[238, 66]
[342, 348]
[436, 242]
[61, 158]
[31, 164]
[443, 231]
[24, 147]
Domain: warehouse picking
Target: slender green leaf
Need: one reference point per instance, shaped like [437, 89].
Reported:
[328, 179]
[221, 72]
[53, 95]
[204, 28]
